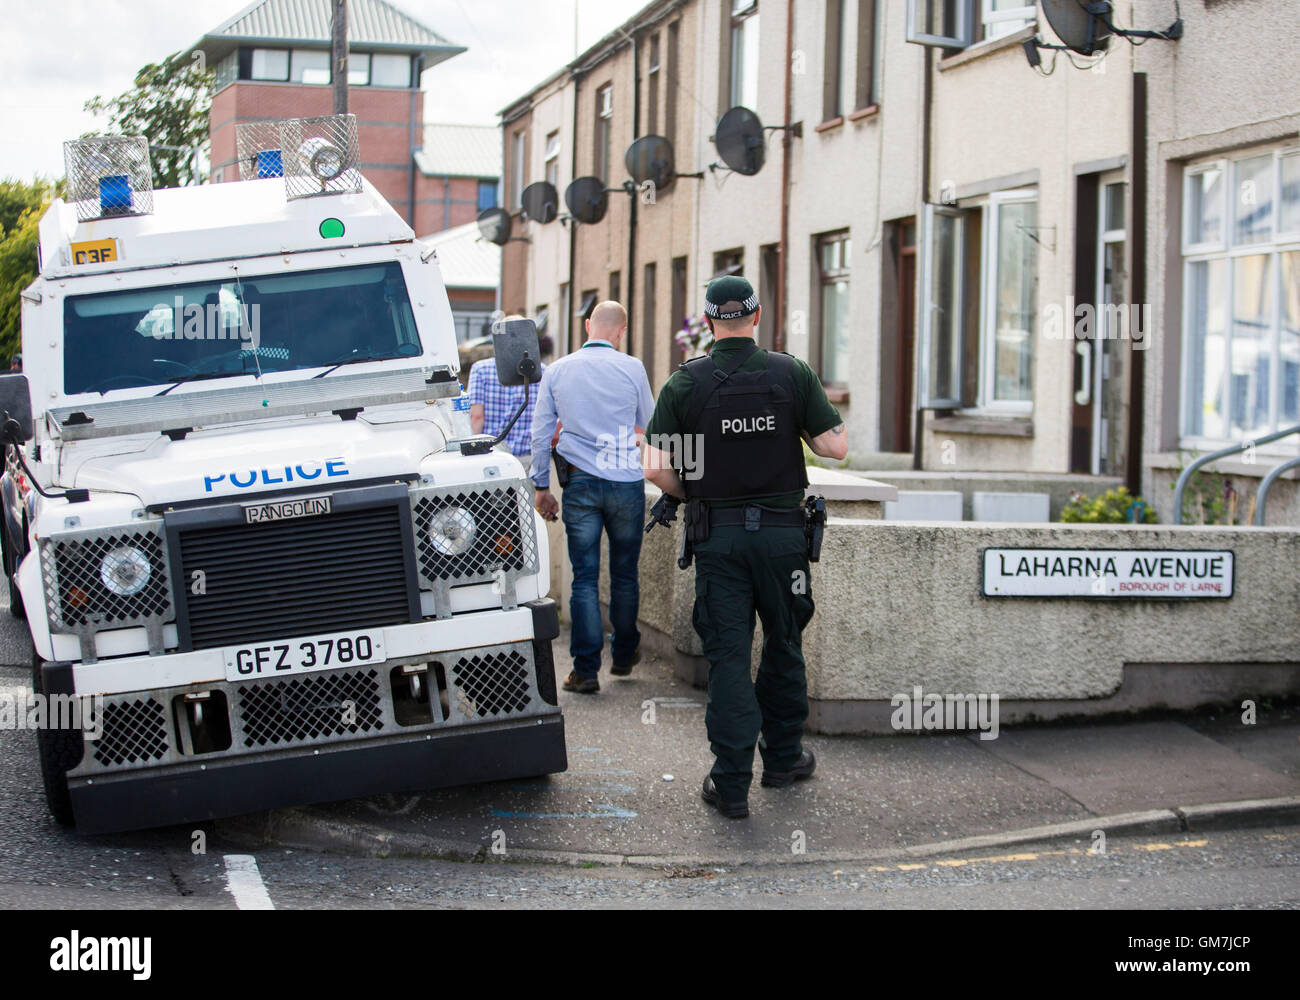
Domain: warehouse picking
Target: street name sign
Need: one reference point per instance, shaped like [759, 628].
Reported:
[1107, 573]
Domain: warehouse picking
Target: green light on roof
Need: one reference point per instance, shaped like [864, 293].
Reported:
[332, 229]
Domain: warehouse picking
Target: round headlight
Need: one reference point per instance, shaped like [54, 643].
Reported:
[327, 163]
[451, 531]
[125, 571]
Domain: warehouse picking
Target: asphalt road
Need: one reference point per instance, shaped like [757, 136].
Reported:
[43, 865]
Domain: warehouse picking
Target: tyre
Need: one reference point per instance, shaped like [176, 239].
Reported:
[60, 751]
[16, 606]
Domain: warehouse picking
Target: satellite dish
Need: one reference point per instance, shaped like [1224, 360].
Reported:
[739, 138]
[1080, 30]
[650, 159]
[541, 202]
[494, 226]
[587, 200]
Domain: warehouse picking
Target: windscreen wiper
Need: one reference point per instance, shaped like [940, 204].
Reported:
[199, 377]
[355, 361]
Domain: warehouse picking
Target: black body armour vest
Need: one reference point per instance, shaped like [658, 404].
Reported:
[747, 430]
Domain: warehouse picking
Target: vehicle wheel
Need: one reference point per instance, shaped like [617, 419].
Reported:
[16, 606]
[60, 751]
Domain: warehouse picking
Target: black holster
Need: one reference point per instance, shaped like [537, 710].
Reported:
[814, 526]
[697, 520]
[695, 528]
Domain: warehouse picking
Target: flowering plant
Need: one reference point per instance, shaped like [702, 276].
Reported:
[694, 336]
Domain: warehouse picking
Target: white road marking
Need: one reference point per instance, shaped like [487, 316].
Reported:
[244, 882]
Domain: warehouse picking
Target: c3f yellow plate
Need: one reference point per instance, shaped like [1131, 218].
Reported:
[94, 252]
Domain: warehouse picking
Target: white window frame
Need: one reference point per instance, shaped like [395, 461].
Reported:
[989, 307]
[744, 21]
[1278, 231]
[1224, 221]
[960, 40]
[925, 310]
[551, 161]
[1279, 242]
[1026, 14]
[845, 273]
[986, 344]
[1105, 238]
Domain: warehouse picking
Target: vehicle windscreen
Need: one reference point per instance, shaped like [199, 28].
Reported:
[237, 326]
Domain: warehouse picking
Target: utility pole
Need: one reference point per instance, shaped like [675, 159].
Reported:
[340, 56]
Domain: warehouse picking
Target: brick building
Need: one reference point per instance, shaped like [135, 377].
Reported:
[272, 61]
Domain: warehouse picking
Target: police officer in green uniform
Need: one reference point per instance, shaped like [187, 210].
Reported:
[726, 436]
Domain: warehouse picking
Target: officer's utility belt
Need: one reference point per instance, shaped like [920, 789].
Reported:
[754, 516]
[700, 520]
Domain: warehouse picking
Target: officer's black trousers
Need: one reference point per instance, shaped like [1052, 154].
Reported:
[738, 574]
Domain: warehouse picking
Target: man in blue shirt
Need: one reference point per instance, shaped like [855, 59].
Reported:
[601, 398]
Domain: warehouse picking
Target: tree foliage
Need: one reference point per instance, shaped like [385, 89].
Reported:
[169, 107]
[21, 207]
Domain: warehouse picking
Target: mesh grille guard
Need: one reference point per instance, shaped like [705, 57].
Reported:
[77, 566]
[474, 534]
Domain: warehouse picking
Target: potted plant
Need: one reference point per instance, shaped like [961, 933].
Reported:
[694, 338]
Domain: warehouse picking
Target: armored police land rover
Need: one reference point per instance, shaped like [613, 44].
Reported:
[242, 509]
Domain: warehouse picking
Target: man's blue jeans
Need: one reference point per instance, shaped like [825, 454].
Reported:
[590, 505]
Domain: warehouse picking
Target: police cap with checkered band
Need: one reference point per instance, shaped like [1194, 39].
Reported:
[730, 297]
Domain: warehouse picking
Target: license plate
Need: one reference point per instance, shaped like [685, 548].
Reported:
[277, 658]
[94, 252]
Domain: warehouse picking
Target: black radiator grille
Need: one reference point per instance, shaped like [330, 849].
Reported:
[308, 576]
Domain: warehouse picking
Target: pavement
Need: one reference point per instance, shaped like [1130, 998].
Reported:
[638, 753]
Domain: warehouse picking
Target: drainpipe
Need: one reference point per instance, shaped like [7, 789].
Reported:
[1137, 281]
[631, 239]
[573, 223]
[783, 251]
[927, 101]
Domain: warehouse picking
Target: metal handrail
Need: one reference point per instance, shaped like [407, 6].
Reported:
[1267, 483]
[1214, 456]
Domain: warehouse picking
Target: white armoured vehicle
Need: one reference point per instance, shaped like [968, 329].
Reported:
[242, 510]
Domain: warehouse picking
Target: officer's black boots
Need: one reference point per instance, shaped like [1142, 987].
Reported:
[732, 810]
[802, 769]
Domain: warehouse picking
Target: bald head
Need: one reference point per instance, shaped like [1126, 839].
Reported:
[608, 322]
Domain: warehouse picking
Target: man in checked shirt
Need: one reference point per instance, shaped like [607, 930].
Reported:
[491, 405]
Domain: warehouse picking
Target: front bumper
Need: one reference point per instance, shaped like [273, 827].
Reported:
[332, 773]
[487, 712]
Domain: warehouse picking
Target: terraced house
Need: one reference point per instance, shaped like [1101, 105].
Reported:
[1015, 265]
